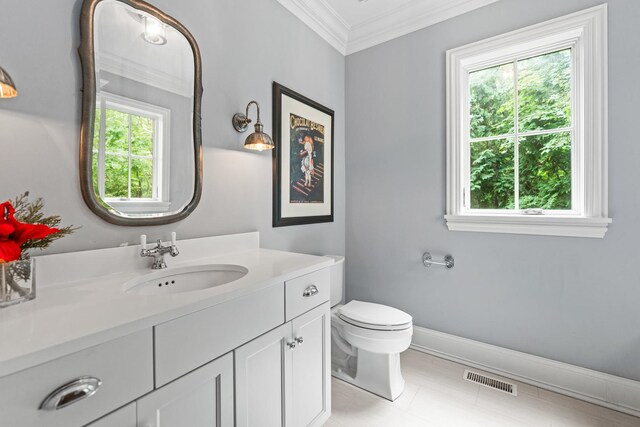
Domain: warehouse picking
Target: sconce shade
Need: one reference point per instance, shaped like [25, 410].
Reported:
[7, 87]
[258, 140]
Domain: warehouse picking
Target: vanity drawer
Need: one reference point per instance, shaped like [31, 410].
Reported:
[124, 366]
[306, 292]
[186, 343]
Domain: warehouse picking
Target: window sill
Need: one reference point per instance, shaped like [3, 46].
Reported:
[139, 207]
[542, 225]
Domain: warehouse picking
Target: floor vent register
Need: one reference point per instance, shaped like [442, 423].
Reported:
[490, 382]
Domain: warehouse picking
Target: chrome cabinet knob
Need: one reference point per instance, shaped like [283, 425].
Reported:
[291, 345]
[299, 340]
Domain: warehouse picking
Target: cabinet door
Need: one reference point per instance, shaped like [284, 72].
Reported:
[123, 417]
[262, 368]
[202, 398]
[311, 382]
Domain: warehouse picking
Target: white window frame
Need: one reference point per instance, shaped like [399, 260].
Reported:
[585, 33]
[161, 145]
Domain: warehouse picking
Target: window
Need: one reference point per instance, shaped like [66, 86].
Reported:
[130, 138]
[527, 131]
[521, 136]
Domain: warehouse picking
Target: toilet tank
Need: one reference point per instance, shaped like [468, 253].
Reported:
[337, 280]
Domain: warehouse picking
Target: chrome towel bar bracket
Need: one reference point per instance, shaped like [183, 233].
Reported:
[428, 261]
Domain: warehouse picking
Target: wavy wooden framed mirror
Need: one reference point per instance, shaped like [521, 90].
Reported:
[140, 136]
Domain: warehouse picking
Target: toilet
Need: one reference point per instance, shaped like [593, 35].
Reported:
[366, 340]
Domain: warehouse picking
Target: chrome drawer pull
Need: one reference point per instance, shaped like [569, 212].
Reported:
[72, 392]
[310, 291]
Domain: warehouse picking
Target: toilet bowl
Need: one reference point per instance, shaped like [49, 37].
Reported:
[366, 340]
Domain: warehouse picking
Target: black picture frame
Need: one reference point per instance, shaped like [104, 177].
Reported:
[302, 173]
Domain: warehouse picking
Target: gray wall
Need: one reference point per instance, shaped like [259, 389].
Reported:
[244, 48]
[570, 299]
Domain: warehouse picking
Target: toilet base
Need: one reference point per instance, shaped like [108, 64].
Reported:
[377, 373]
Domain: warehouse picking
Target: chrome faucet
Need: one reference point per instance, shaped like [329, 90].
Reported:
[159, 251]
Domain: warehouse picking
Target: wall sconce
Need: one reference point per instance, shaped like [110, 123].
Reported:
[7, 87]
[154, 32]
[258, 140]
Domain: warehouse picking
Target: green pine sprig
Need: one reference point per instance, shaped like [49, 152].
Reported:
[32, 213]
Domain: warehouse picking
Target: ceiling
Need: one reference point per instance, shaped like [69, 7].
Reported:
[354, 25]
[355, 12]
[121, 50]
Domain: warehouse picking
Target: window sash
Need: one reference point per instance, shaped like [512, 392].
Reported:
[131, 108]
[576, 170]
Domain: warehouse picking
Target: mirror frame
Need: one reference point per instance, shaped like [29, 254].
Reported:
[87, 61]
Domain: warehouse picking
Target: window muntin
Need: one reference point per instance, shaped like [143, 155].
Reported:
[520, 141]
[127, 154]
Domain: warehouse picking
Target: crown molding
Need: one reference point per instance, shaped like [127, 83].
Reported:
[132, 70]
[328, 24]
[321, 18]
[407, 19]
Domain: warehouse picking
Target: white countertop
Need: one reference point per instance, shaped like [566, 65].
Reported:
[71, 316]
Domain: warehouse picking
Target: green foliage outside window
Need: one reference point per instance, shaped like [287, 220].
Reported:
[492, 174]
[128, 157]
[544, 161]
[492, 101]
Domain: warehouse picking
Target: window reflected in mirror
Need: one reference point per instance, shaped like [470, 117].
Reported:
[130, 141]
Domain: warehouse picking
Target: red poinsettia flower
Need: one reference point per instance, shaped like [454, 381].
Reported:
[14, 233]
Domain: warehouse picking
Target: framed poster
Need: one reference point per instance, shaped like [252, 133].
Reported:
[302, 159]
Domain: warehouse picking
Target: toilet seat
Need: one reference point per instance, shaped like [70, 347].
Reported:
[376, 327]
[374, 316]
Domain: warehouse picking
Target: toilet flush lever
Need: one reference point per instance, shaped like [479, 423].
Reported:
[310, 291]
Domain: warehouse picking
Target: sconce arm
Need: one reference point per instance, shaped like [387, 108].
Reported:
[241, 121]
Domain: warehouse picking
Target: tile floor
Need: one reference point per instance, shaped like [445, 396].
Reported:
[435, 395]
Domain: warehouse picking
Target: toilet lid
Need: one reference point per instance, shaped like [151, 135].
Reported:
[374, 316]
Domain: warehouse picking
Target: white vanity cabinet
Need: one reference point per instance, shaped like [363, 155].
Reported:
[283, 377]
[259, 358]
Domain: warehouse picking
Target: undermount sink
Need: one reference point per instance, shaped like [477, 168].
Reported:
[185, 279]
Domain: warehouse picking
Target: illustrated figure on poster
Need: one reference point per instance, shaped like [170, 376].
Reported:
[307, 160]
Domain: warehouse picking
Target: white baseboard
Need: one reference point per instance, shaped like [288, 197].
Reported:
[596, 387]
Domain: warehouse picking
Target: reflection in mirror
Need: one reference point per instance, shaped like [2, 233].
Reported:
[144, 153]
